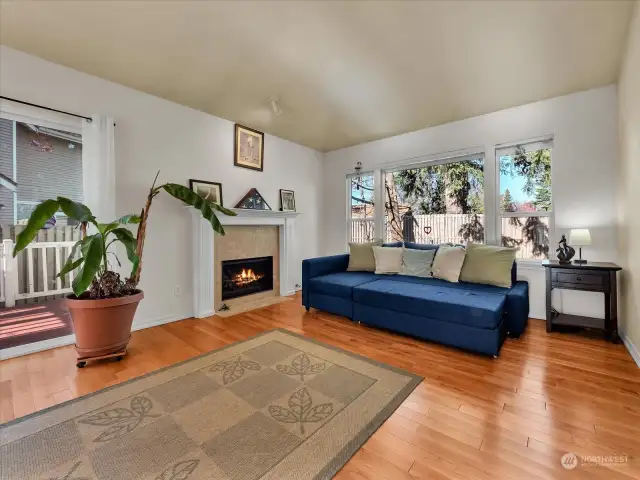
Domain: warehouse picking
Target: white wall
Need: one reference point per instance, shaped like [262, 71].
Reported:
[629, 220]
[154, 134]
[584, 126]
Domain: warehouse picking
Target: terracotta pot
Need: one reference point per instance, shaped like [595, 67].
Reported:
[102, 326]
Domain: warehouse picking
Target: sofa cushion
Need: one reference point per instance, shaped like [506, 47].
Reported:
[417, 263]
[340, 284]
[361, 257]
[465, 306]
[448, 263]
[488, 264]
[388, 259]
[474, 287]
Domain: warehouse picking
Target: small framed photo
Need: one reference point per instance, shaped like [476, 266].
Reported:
[210, 191]
[248, 148]
[287, 201]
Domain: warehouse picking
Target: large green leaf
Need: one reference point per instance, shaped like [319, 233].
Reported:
[69, 267]
[105, 228]
[76, 210]
[131, 218]
[130, 244]
[71, 264]
[196, 201]
[38, 218]
[92, 260]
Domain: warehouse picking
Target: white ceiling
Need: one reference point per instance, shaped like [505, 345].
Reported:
[343, 72]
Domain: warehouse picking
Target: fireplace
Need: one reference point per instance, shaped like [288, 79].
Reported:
[246, 276]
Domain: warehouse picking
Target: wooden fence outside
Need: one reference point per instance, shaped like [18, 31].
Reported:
[436, 229]
[43, 260]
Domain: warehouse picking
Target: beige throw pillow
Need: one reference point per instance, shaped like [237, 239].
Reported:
[361, 257]
[448, 263]
[488, 265]
[388, 259]
[417, 263]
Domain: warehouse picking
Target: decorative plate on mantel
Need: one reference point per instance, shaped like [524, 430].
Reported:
[253, 201]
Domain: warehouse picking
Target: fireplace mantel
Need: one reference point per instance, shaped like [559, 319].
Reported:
[203, 248]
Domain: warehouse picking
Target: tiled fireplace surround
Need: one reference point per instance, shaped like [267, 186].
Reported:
[251, 233]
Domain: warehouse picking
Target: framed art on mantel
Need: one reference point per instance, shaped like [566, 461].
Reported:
[210, 191]
[287, 201]
[248, 148]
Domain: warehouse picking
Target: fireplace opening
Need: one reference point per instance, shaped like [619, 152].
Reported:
[246, 276]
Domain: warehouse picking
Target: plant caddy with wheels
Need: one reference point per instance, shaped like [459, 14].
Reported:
[103, 305]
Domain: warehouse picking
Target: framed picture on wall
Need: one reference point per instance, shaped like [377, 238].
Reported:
[287, 201]
[248, 148]
[210, 191]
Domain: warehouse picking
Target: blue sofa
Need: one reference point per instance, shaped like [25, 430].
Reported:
[465, 315]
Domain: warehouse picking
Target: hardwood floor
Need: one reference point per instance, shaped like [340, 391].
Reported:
[471, 418]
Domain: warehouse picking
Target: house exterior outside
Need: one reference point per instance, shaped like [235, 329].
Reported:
[44, 163]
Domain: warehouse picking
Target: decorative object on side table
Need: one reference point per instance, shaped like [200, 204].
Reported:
[565, 252]
[595, 277]
[248, 148]
[580, 237]
[287, 201]
[210, 191]
[253, 201]
[102, 305]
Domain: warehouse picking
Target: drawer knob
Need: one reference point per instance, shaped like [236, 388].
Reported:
[579, 278]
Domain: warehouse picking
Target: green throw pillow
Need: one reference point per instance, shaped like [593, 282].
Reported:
[361, 257]
[417, 263]
[488, 265]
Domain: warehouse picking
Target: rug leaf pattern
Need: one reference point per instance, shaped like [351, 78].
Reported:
[179, 471]
[301, 410]
[301, 365]
[233, 370]
[120, 420]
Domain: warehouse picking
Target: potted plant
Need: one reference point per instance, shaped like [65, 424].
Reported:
[102, 305]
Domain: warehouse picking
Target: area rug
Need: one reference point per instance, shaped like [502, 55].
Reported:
[277, 406]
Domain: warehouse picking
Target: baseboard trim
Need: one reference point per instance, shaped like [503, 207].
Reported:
[35, 347]
[157, 321]
[633, 350]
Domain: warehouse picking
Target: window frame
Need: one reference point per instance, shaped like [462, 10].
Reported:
[350, 219]
[19, 113]
[433, 161]
[540, 143]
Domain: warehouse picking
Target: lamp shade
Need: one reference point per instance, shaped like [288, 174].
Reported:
[580, 237]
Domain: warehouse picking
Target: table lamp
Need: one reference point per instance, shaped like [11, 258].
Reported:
[580, 237]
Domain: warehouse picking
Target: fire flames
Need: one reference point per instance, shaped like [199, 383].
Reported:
[245, 277]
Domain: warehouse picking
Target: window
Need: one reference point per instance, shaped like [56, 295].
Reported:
[525, 202]
[439, 202]
[361, 212]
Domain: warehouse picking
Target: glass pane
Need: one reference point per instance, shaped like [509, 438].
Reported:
[525, 181]
[362, 230]
[362, 193]
[436, 204]
[530, 234]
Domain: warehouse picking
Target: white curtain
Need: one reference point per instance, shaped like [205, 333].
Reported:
[99, 167]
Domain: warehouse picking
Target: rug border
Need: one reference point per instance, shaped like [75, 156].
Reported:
[337, 462]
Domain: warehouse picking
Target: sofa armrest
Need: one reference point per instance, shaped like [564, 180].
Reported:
[316, 267]
[517, 309]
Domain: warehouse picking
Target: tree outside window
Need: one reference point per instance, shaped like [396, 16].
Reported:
[436, 204]
[525, 199]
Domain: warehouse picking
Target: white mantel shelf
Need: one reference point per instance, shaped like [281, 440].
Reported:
[246, 212]
[203, 249]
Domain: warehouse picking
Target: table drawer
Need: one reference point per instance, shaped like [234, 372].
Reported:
[587, 279]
